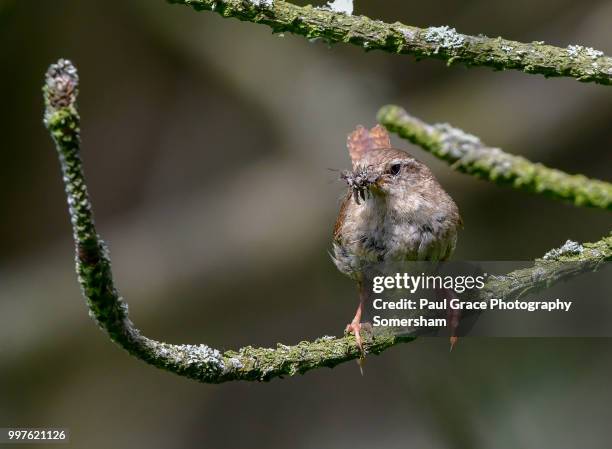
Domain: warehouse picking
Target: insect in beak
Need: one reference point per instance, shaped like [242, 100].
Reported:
[360, 181]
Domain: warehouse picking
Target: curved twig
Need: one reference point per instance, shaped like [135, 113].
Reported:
[469, 155]
[201, 362]
[575, 61]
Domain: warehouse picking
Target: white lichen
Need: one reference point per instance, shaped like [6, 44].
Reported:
[408, 34]
[503, 165]
[455, 141]
[444, 37]
[206, 357]
[263, 3]
[324, 338]
[592, 53]
[235, 363]
[538, 274]
[569, 248]
[341, 6]
[507, 48]
[575, 51]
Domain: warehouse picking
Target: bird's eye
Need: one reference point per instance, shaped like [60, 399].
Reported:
[395, 169]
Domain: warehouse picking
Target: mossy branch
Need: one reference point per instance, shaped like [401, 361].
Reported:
[575, 61]
[469, 155]
[201, 362]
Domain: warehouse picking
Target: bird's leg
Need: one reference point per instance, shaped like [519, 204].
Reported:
[355, 325]
[453, 316]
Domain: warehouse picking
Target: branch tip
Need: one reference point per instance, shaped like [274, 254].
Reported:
[61, 85]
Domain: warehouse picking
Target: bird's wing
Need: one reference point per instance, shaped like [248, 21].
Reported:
[341, 217]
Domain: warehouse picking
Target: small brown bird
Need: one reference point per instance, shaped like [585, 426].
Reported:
[394, 211]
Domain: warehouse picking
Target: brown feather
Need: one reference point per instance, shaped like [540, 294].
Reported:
[361, 141]
[341, 216]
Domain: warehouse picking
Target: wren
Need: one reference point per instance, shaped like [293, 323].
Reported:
[394, 211]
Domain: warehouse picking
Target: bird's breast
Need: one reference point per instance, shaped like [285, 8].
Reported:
[373, 233]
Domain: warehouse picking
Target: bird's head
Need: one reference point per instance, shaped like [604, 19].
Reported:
[379, 170]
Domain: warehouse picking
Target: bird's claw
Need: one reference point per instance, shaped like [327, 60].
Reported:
[355, 329]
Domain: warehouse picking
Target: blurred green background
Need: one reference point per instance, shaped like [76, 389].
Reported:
[207, 144]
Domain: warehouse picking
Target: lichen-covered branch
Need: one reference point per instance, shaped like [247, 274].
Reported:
[110, 311]
[443, 42]
[468, 154]
[201, 362]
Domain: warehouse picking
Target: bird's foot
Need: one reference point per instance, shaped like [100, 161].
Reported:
[453, 319]
[453, 316]
[355, 328]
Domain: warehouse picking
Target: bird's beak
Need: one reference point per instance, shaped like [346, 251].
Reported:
[360, 181]
[379, 183]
